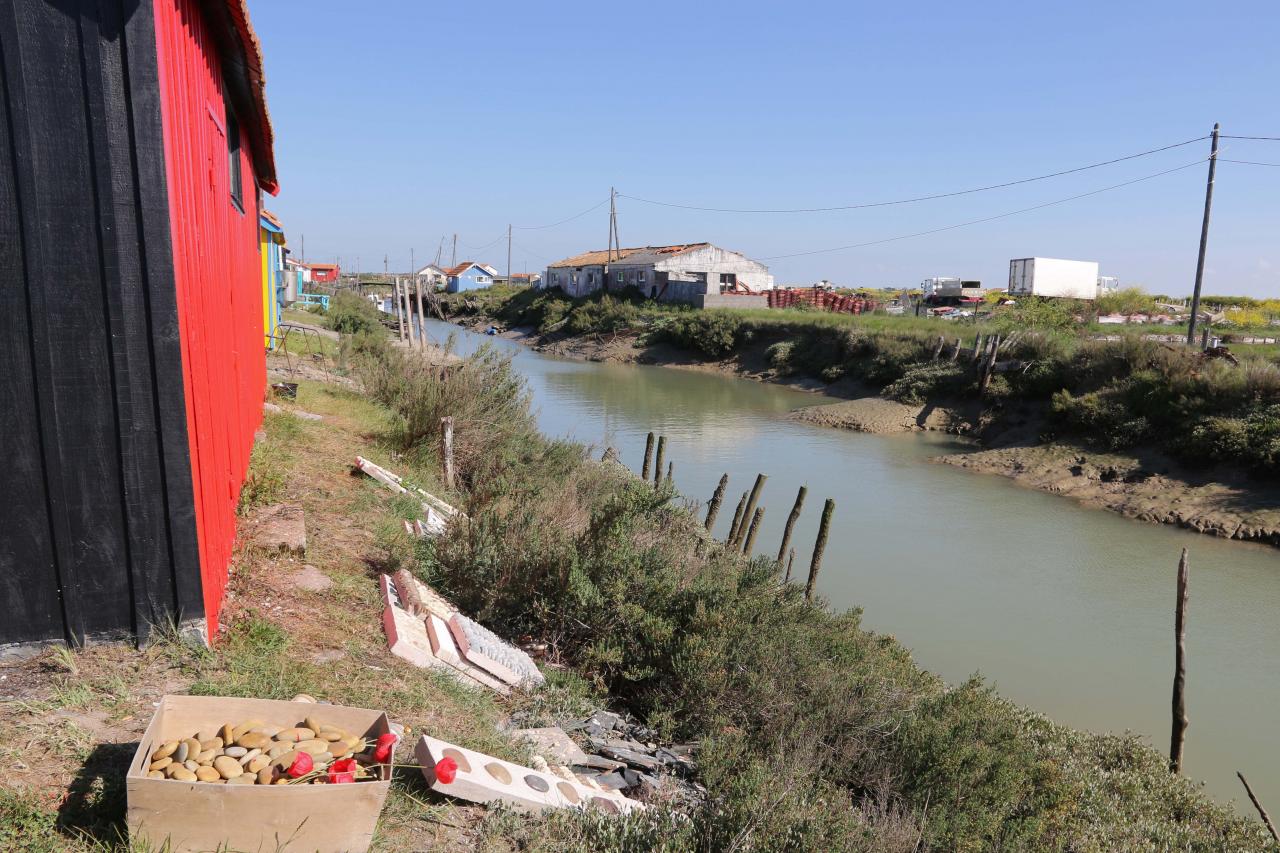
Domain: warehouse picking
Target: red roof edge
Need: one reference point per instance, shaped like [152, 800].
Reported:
[261, 136]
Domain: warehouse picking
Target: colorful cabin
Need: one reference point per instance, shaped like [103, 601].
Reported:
[271, 246]
[135, 155]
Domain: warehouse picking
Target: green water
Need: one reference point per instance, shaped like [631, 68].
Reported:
[1065, 609]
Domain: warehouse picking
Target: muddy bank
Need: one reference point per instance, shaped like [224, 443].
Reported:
[1146, 487]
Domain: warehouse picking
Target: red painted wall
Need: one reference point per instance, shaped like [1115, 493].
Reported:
[219, 282]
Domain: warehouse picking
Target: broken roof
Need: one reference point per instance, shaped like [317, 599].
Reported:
[635, 255]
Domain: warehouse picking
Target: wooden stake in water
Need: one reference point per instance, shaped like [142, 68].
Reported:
[1266, 818]
[671, 474]
[713, 509]
[1180, 721]
[756, 520]
[818, 547]
[446, 449]
[422, 324]
[750, 508]
[657, 462]
[791, 522]
[648, 458]
[737, 519]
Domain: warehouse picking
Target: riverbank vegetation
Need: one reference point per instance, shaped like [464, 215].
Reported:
[1122, 392]
[815, 733]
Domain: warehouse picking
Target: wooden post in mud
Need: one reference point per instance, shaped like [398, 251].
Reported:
[791, 560]
[737, 519]
[1180, 722]
[713, 509]
[977, 346]
[446, 449]
[671, 474]
[937, 351]
[815, 565]
[610, 454]
[756, 521]
[658, 459]
[422, 315]
[1266, 818]
[396, 304]
[750, 509]
[408, 315]
[648, 457]
[988, 365]
[791, 522]
[955, 353]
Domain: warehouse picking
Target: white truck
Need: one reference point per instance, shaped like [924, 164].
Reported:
[940, 288]
[1053, 277]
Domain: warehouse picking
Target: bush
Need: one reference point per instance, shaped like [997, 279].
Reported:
[925, 382]
[713, 333]
[352, 314]
[780, 356]
[602, 315]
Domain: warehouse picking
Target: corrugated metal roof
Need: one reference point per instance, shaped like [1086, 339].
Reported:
[635, 255]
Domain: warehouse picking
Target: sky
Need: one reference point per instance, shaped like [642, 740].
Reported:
[399, 124]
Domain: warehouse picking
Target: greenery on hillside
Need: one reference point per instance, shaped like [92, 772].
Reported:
[816, 734]
[1116, 394]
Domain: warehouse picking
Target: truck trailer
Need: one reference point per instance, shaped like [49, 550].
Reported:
[1053, 277]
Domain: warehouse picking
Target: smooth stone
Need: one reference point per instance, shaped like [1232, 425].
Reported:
[193, 747]
[155, 774]
[266, 775]
[331, 735]
[235, 751]
[279, 750]
[180, 755]
[313, 724]
[166, 749]
[272, 731]
[337, 750]
[227, 733]
[182, 774]
[214, 742]
[207, 774]
[284, 761]
[258, 764]
[295, 734]
[304, 697]
[207, 734]
[160, 763]
[313, 746]
[323, 758]
[242, 780]
[249, 756]
[253, 740]
[227, 767]
[207, 756]
[191, 764]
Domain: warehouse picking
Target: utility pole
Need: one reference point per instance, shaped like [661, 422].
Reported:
[1204, 238]
[617, 245]
[609, 251]
[508, 255]
[453, 259]
[302, 250]
[384, 266]
[413, 266]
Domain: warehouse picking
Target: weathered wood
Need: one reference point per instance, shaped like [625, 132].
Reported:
[987, 367]
[671, 475]
[937, 351]
[658, 460]
[446, 449]
[756, 521]
[977, 346]
[1266, 818]
[955, 352]
[791, 522]
[713, 509]
[397, 303]
[791, 561]
[610, 454]
[737, 520]
[422, 316]
[648, 458]
[750, 509]
[1180, 722]
[414, 331]
[815, 565]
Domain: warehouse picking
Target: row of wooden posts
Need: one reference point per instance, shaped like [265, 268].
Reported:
[410, 309]
[984, 354]
[748, 518]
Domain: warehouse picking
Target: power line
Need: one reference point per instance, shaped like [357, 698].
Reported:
[1258, 138]
[917, 198]
[1246, 162]
[501, 236]
[987, 218]
[562, 221]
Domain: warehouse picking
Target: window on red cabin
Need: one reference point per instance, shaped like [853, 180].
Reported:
[233, 160]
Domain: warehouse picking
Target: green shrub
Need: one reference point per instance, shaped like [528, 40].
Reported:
[352, 314]
[603, 315]
[924, 382]
[715, 334]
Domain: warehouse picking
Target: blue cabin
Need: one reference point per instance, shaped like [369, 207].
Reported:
[468, 275]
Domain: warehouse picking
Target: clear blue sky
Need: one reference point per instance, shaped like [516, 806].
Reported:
[399, 122]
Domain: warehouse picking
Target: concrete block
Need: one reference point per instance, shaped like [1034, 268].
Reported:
[482, 778]
[281, 527]
[443, 647]
[485, 649]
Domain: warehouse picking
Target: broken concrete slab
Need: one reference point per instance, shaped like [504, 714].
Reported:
[280, 527]
[310, 578]
[553, 744]
[443, 647]
[459, 772]
[396, 484]
[485, 649]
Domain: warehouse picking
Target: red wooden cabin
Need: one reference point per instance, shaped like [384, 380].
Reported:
[325, 273]
[135, 155]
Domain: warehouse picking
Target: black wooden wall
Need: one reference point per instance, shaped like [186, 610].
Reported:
[97, 523]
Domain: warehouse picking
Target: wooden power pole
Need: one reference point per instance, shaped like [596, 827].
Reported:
[1180, 722]
[1204, 238]
[508, 255]
[453, 258]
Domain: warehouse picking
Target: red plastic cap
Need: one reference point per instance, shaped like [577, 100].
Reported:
[446, 770]
[386, 745]
[342, 770]
[302, 765]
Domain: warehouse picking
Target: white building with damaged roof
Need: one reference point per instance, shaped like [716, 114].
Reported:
[696, 273]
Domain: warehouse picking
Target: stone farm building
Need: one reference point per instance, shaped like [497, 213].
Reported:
[697, 273]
